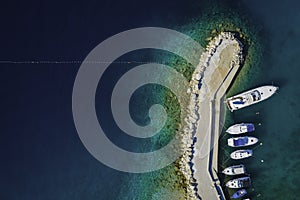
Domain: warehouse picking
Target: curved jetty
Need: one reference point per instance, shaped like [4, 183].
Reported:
[202, 127]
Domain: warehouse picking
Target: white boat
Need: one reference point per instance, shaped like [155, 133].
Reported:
[240, 128]
[240, 154]
[235, 170]
[239, 182]
[242, 141]
[250, 97]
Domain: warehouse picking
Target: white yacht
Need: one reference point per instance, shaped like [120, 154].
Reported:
[240, 128]
[242, 141]
[250, 97]
[239, 182]
[240, 154]
[235, 170]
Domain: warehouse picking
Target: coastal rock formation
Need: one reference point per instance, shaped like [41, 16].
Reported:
[197, 91]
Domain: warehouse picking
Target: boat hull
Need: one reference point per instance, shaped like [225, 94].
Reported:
[239, 194]
[235, 170]
[250, 97]
[242, 141]
[240, 128]
[241, 154]
[239, 183]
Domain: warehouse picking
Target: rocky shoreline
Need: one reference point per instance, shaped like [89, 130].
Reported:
[197, 90]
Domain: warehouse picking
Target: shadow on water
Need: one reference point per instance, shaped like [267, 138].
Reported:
[256, 172]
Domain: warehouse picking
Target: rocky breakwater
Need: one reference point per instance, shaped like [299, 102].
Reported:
[197, 91]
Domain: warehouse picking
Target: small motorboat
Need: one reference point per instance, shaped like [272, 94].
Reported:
[238, 194]
[239, 182]
[235, 170]
[240, 128]
[242, 141]
[240, 154]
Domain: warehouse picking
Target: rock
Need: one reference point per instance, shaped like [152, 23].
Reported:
[208, 39]
[190, 123]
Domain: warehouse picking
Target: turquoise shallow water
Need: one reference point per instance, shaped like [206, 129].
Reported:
[274, 62]
[158, 185]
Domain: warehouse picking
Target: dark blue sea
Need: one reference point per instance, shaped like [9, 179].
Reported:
[274, 166]
[42, 156]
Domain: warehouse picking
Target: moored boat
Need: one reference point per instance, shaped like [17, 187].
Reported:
[240, 128]
[250, 97]
[242, 141]
[239, 182]
[235, 170]
[240, 154]
[239, 194]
